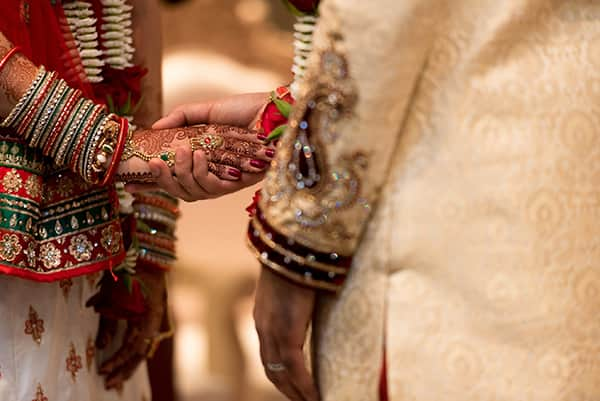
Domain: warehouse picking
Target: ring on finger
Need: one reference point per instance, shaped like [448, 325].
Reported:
[275, 367]
[206, 142]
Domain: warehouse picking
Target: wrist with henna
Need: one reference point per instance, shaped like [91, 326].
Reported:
[130, 296]
[229, 151]
[16, 76]
[68, 128]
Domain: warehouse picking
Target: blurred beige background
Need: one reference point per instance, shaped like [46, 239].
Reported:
[215, 48]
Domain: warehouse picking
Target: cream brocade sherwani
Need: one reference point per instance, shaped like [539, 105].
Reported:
[479, 266]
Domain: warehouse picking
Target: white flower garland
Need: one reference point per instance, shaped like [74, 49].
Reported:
[303, 44]
[83, 28]
[116, 34]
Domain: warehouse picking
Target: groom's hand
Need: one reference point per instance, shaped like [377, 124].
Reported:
[282, 313]
[239, 110]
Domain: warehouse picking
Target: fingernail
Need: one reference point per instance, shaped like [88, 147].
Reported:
[270, 152]
[234, 172]
[262, 137]
[155, 171]
[258, 163]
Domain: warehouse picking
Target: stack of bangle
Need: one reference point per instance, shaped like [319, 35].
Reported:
[68, 128]
[156, 235]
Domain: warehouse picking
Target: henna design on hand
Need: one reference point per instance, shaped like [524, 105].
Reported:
[152, 142]
[16, 77]
[218, 169]
[241, 147]
[226, 158]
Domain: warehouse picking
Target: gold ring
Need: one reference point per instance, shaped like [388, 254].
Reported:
[168, 158]
[206, 142]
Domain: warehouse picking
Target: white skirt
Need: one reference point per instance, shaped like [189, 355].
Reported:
[47, 348]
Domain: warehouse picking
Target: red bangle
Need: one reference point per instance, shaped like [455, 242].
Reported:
[59, 126]
[8, 55]
[119, 149]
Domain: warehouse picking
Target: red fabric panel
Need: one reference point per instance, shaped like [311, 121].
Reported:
[35, 25]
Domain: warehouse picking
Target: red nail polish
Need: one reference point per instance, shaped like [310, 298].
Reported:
[270, 152]
[258, 163]
[262, 137]
[234, 172]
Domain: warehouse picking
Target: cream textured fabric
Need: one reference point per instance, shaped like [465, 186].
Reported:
[47, 351]
[479, 267]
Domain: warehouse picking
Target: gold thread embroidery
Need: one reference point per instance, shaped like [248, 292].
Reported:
[50, 256]
[12, 181]
[33, 186]
[73, 362]
[39, 394]
[111, 240]
[81, 248]
[10, 247]
[306, 188]
[34, 326]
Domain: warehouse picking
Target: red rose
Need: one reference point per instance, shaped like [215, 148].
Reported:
[305, 6]
[271, 117]
[253, 208]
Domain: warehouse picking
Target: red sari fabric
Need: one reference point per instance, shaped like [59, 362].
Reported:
[41, 30]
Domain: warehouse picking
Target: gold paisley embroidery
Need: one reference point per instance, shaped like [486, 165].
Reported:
[312, 196]
[111, 240]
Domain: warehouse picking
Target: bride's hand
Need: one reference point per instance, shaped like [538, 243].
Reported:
[192, 179]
